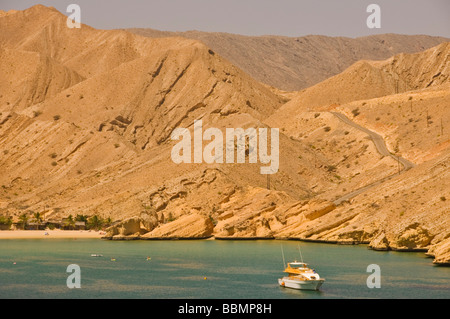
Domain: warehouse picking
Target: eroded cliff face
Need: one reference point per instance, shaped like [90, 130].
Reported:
[440, 252]
[390, 217]
[211, 205]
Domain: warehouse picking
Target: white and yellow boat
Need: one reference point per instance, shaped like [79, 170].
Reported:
[300, 276]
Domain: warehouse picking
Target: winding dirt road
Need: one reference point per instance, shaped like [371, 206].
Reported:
[381, 148]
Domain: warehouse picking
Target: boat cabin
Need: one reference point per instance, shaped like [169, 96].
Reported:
[296, 268]
[297, 265]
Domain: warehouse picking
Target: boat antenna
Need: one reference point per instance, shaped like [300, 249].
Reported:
[282, 254]
[300, 251]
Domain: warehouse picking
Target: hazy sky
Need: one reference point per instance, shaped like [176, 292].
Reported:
[259, 17]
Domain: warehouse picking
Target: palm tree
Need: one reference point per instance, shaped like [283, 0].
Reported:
[6, 221]
[81, 218]
[108, 221]
[71, 222]
[23, 220]
[95, 222]
[38, 219]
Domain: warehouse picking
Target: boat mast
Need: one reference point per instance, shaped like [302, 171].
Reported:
[282, 254]
[300, 251]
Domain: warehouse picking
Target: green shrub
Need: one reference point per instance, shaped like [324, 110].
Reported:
[5, 221]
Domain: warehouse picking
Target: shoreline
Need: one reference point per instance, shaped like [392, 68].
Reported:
[55, 234]
[52, 234]
[86, 234]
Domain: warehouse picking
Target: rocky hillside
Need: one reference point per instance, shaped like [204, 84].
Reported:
[404, 99]
[366, 80]
[36, 78]
[295, 63]
[96, 139]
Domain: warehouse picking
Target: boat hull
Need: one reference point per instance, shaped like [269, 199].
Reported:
[301, 284]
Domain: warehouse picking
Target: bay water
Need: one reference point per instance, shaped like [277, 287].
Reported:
[208, 269]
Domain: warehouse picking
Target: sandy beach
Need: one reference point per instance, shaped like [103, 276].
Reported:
[49, 234]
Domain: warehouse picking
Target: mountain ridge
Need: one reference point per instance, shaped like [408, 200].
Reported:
[295, 63]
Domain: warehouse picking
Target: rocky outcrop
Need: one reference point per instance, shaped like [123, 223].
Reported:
[380, 242]
[193, 226]
[149, 220]
[133, 227]
[260, 213]
[414, 237]
[441, 253]
[319, 212]
[130, 227]
[249, 213]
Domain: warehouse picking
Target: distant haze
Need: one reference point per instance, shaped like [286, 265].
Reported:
[259, 17]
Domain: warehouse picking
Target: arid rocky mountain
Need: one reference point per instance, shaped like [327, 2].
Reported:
[373, 79]
[99, 140]
[404, 99]
[86, 117]
[295, 63]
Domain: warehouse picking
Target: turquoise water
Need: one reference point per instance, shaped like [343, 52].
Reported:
[233, 269]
